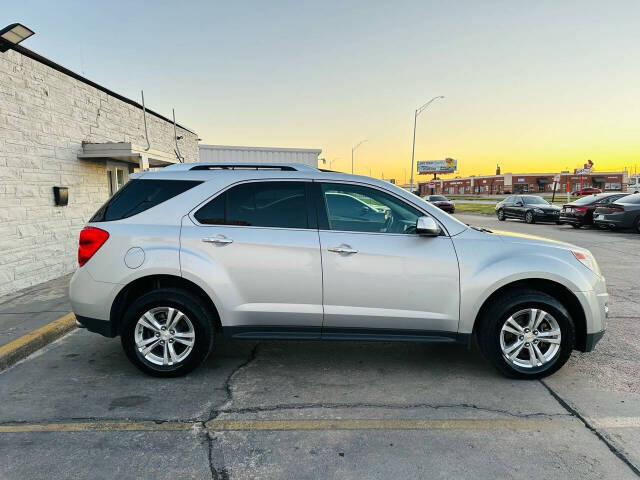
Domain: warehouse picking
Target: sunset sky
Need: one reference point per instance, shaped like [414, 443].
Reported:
[533, 86]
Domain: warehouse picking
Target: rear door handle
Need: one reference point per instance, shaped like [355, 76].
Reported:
[347, 250]
[218, 240]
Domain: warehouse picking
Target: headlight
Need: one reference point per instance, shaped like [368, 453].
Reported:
[538, 210]
[587, 259]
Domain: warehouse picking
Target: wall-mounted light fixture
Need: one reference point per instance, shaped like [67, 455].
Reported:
[61, 195]
[12, 35]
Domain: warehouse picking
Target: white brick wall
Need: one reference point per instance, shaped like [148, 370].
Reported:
[45, 116]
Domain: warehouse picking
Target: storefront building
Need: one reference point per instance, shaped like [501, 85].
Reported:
[508, 183]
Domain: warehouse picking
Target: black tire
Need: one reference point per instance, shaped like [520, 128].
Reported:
[194, 309]
[576, 225]
[529, 218]
[501, 216]
[491, 322]
[636, 225]
[558, 222]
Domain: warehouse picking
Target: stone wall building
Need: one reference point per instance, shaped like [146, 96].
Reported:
[60, 129]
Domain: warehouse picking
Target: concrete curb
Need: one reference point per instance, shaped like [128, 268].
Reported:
[24, 346]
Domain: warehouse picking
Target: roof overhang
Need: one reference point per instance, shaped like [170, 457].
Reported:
[126, 152]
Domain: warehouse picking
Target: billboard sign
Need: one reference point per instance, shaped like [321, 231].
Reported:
[582, 171]
[448, 165]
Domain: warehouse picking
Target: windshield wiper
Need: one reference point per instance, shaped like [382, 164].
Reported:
[480, 229]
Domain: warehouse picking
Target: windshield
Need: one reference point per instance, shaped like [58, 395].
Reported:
[535, 201]
[437, 198]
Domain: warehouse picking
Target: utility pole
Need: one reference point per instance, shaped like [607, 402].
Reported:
[417, 112]
[353, 149]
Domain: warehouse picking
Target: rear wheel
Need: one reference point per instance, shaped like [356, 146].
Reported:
[576, 225]
[529, 218]
[167, 332]
[501, 216]
[527, 334]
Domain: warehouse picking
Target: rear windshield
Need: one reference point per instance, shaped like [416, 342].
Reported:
[635, 198]
[139, 195]
[586, 200]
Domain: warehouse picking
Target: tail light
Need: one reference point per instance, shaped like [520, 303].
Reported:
[580, 210]
[91, 239]
[615, 208]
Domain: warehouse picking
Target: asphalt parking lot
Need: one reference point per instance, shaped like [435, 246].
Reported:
[79, 409]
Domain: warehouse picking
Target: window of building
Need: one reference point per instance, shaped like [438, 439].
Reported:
[259, 204]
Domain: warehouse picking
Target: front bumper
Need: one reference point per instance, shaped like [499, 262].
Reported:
[595, 304]
[546, 217]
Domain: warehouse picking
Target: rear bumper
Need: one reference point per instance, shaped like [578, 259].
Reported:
[570, 220]
[612, 220]
[95, 325]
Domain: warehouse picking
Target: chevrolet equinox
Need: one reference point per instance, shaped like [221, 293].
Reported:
[287, 251]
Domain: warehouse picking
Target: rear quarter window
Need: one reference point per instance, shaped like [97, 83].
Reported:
[140, 195]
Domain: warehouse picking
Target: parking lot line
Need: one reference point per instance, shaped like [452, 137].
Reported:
[24, 346]
[98, 426]
[531, 424]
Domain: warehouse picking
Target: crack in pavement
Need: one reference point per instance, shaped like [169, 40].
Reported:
[574, 412]
[392, 406]
[222, 473]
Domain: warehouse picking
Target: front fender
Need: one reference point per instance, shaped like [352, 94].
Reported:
[488, 264]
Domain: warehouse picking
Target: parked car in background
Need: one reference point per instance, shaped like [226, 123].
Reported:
[530, 208]
[194, 251]
[580, 212]
[586, 191]
[442, 202]
[634, 184]
[623, 213]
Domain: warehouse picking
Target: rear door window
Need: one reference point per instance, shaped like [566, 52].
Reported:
[259, 204]
[136, 196]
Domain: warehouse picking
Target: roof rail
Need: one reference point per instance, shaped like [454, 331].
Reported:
[284, 167]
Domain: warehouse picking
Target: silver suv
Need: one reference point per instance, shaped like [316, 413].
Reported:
[283, 251]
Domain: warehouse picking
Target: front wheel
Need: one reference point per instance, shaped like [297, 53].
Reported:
[529, 218]
[636, 225]
[167, 332]
[576, 225]
[528, 334]
[501, 216]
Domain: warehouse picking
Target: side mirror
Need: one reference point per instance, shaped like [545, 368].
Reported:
[427, 226]
[518, 204]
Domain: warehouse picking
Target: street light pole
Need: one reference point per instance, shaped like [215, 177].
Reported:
[417, 112]
[353, 149]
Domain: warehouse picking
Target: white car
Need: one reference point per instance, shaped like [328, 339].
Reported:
[273, 251]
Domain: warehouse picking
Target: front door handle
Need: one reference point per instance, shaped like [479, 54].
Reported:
[218, 240]
[345, 249]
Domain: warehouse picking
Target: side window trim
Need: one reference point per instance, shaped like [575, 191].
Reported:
[311, 216]
[323, 219]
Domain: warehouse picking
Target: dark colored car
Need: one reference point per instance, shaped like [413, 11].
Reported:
[623, 213]
[530, 208]
[586, 191]
[580, 212]
[442, 202]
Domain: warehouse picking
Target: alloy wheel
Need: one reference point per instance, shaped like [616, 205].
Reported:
[164, 336]
[530, 338]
